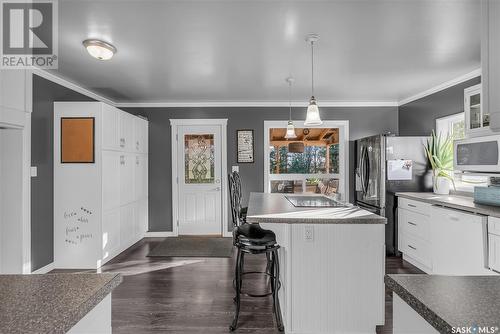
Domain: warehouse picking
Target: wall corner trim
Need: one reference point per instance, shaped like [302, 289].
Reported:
[71, 85]
[440, 87]
[45, 269]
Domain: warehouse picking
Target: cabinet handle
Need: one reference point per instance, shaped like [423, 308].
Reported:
[122, 142]
[412, 247]
[412, 223]
[122, 160]
[412, 205]
[454, 218]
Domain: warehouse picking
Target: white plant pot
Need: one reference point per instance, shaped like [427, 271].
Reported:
[441, 186]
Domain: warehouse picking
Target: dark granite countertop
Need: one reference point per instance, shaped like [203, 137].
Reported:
[450, 301]
[50, 303]
[275, 208]
[459, 202]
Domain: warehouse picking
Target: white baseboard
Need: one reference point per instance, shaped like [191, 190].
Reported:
[159, 234]
[172, 234]
[45, 269]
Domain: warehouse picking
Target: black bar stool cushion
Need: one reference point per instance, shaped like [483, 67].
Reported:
[255, 235]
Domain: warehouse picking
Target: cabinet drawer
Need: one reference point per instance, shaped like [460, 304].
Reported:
[417, 249]
[415, 206]
[494, 225]
[414, 224]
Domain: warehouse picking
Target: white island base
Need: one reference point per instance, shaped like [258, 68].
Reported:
[332, 277]
[332, 264]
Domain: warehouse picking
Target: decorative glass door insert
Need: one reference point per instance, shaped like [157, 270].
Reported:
[199, 158]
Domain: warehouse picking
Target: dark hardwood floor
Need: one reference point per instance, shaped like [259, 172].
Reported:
[194, 295]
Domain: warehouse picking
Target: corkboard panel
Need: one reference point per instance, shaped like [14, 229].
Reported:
[77, 140]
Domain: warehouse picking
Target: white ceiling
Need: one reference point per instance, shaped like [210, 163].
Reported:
[242, 50]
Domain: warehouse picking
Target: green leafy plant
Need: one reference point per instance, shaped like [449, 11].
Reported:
[439, 151]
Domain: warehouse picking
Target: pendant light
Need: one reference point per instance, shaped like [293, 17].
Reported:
[312, 116]
[290, 128]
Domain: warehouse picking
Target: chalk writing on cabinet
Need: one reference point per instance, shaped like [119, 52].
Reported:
[77, 222]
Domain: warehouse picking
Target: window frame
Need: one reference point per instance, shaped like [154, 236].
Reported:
[342, 176]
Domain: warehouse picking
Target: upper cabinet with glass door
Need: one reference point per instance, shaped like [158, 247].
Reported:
[477, 120]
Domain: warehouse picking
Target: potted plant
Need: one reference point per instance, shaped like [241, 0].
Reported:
[439, 151]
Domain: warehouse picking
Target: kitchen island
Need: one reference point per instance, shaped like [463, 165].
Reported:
[57, 303]
[332, 264]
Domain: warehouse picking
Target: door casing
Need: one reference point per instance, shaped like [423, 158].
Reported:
[175, 123]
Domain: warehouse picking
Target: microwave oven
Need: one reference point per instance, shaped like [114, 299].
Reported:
[479, 154]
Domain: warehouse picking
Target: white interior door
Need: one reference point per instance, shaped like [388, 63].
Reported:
[199, 169]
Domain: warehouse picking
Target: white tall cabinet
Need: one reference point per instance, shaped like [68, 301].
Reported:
[100, 208]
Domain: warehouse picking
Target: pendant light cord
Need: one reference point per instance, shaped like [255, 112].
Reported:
[290, 99]
[312, 68]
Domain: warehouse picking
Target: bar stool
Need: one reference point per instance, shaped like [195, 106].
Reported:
[252, 239]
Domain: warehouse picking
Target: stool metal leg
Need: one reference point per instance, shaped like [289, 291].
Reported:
[237, 286]
[276, 287]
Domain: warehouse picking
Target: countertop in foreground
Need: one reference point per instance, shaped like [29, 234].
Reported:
[450, 301]
[275, 208]
[465, 203]
[50, 303]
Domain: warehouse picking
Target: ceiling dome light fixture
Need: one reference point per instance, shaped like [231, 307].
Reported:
[99, 49]
[312, 116]
[290, 128]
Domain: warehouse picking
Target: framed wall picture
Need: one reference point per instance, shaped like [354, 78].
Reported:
[77, 140]
[245, 146]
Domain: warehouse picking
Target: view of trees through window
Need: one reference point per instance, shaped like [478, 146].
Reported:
[314, 160]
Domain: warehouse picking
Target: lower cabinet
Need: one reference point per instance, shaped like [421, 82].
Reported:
[446, 241]
[111, 234]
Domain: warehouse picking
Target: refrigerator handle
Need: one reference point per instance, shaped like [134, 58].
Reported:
[362, 169]
[366, 167]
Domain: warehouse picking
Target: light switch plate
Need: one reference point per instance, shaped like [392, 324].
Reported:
[235, 169]
[34, 171]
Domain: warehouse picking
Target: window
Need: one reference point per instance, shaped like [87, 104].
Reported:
[451, 125]
[314, 162]
[455, 125]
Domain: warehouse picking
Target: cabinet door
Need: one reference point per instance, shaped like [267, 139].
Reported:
[111, 170]
[127, 228]
[145, 136]
[127, 163]
[139, 177]
[110, 233]
[141, 218]
[494, 252]
[110, 128]
[127, 132]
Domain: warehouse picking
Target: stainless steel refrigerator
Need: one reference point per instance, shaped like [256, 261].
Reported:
[386, 165]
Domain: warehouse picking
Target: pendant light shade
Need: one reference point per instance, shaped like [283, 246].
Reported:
[290, 128]
[290, 131]
[312, 116]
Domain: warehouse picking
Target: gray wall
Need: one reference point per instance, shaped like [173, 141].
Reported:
[418, 118]
[45, 92]
[363, 122]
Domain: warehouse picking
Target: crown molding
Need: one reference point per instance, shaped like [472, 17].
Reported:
[218, 104]
[440, 87]
[208, 104]
[71, 85]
